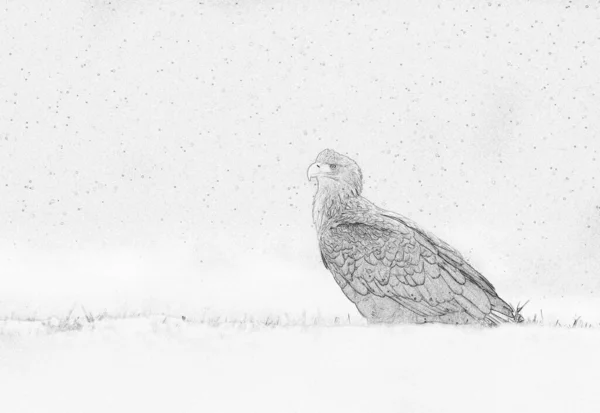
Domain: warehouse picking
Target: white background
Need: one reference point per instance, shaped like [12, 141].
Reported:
[153, 161]
[153, 155]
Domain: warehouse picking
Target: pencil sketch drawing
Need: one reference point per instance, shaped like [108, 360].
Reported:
[390, 268]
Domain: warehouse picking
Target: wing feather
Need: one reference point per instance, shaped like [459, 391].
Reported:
[389, 256]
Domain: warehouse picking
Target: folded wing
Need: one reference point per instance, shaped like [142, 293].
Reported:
[385, 254]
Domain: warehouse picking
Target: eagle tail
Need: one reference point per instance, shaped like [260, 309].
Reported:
[502, 312]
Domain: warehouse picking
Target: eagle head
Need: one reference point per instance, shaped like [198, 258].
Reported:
[334, 169]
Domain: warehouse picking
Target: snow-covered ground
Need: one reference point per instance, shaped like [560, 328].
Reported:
[40, 283]
[158, 364]
[99, 332]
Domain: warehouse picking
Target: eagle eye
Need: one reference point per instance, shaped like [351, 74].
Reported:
[333, 166]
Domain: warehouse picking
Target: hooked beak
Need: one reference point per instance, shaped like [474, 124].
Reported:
[314, 170]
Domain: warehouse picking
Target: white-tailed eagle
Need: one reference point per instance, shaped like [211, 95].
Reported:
[389, 267]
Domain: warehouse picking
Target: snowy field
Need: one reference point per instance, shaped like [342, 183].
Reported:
[156, 246]
[107, 334]
[157, 364]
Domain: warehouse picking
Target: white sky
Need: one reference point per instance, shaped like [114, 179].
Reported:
[137, 125]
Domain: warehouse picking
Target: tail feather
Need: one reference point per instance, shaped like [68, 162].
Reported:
[502, 312]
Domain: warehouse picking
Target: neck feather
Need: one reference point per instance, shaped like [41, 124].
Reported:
[329, 201]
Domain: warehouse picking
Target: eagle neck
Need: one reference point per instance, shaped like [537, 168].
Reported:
[330, 199]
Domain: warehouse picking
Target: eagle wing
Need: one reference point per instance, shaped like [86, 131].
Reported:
[382, 253]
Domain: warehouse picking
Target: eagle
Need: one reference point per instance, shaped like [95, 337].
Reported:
[393, 270]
